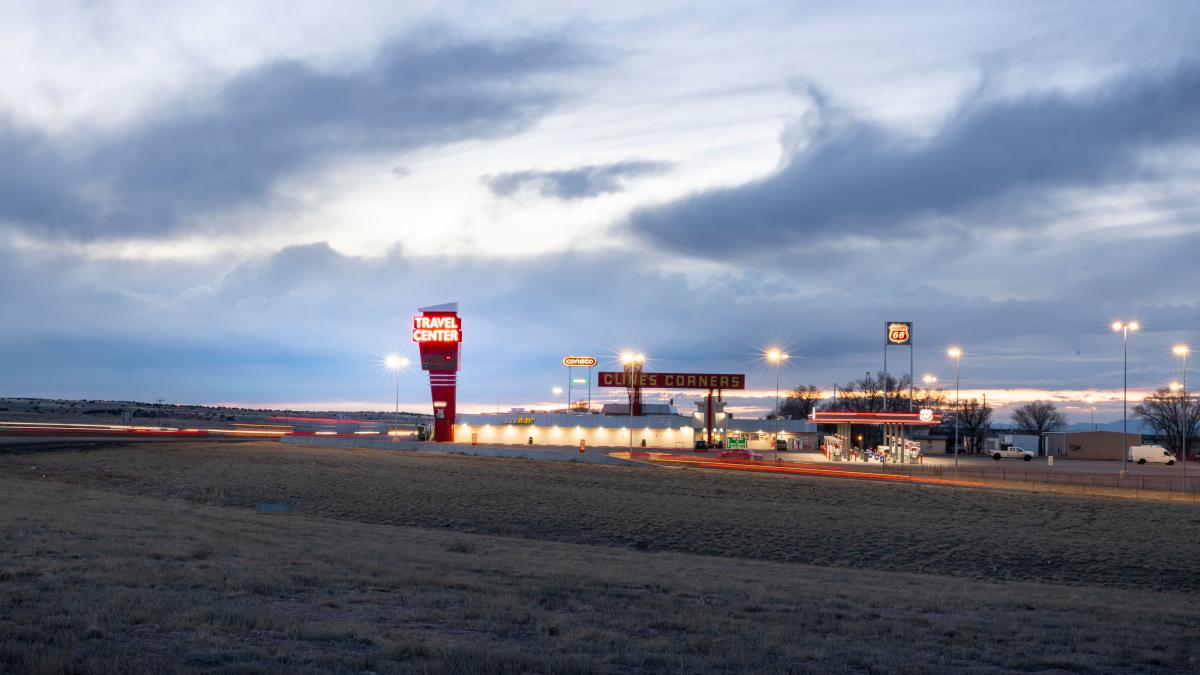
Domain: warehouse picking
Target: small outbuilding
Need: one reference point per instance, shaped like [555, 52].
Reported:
[1090, 444]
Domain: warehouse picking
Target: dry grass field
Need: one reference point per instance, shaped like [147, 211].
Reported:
[156, 558]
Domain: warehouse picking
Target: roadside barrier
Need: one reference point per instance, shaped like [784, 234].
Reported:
[1167, 487]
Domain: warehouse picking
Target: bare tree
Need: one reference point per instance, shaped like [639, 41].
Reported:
[1170, 414]
[799, 403]
[973, 419]
[1038, 417]
[868, 393]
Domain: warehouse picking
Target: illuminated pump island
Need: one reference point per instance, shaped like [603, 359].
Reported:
[437, 330]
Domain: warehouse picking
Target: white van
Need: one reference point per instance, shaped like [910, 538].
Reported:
[1150, 453]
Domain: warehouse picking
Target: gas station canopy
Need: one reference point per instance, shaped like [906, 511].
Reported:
[923, 418]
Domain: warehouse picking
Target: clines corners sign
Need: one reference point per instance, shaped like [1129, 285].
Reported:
[677, 380]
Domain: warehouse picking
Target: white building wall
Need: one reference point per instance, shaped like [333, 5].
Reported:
[520, 434]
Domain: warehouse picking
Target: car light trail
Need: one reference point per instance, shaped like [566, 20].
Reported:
[801, 469]
[72, 428]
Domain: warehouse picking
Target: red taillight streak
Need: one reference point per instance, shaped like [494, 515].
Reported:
[811, 470]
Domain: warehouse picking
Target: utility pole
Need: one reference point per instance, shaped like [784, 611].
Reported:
[1186, 427]
[956, 354]
[1124, 327]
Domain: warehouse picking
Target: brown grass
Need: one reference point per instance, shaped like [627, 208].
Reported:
[154, 559]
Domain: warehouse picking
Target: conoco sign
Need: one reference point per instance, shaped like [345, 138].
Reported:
[579, 361]
[899, 333]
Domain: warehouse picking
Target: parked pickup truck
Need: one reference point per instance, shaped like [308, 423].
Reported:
[1151, 453]
[1012, 452]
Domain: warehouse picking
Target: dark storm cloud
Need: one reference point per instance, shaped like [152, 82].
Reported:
[578, 183]
[227, 149]
[32, 175]
[856, 178]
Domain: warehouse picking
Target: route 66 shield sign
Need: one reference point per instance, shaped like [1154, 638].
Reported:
[899, 332]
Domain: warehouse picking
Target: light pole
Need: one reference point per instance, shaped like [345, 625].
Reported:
[557, 391]
[396, 363]
[633, 374]
[1182, 352]
[956, 354]
[1124, 328]
[929, 379]
[777, 357]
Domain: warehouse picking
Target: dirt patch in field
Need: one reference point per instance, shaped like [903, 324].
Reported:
[829, 522]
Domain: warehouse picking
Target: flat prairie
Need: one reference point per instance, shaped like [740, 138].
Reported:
[256, 557]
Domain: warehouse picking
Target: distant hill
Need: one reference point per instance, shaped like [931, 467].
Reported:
[1136, 426]
[109, 412]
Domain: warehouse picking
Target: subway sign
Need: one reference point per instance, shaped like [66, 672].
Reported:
[436, 328]
[899, 333]
[579, 361]
[676, 380]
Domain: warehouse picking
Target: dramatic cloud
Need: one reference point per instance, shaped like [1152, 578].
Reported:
[578, 183]
[855, 178]
[228, 148]
[311, 322]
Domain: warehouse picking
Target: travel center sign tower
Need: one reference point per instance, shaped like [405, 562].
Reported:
[437, 330]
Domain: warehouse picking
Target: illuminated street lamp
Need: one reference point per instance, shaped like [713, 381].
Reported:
[557, 391]
[956, 354]
[1124, 328]
[929, 379]
[632, 363]
[396, 363]
[776, 357]
[1182, 352]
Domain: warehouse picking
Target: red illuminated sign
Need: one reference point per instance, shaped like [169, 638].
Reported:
[677, 380]
[925, 417]
[436, 328]
[899, 333]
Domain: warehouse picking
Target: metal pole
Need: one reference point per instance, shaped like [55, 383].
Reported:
[1187, 419]
[957, 405]
[778, 365]
[910, 376]
[1125, 401]
[885, 377]
[627, 374]
[397, 410]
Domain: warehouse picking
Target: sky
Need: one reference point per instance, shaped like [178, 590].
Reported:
[231, 202]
